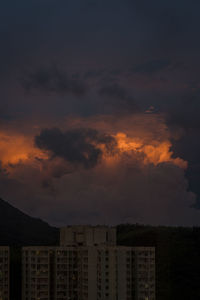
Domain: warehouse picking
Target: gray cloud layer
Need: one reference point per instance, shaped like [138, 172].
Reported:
[53, 80]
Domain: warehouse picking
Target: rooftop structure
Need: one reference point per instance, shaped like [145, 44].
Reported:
[87, 236]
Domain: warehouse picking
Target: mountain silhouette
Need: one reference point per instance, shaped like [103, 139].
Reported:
[19, 229]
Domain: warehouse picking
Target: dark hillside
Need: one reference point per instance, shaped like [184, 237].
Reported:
[17, 228]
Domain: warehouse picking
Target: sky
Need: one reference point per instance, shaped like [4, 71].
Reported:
[99, 110]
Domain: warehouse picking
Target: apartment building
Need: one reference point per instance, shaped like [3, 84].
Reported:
[36, 272]
[66, 273]
[4, 273]
[48, 273]
[88, 266]
[136, 273]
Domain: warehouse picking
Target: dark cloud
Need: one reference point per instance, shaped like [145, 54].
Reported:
[78, 146]
[134, 43]
[188, 147]
[186, 109]
[94, 73]
[184, 123]
[152, 66]
[125, 193]
[117, 98]
[109, 194]
[54, 80]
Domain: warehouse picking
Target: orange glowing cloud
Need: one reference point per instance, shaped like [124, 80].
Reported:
[17, 148]
[156, 152]
[152, 153]
[144, 134]
[141, 137]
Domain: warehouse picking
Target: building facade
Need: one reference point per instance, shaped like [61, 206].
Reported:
[88, 266]
[4, 273]
[36, 272]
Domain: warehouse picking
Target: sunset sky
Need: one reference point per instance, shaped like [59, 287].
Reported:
[100, 110]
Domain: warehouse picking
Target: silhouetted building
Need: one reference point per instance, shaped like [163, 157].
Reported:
[4, 273]
[87, 236]
[88, 266]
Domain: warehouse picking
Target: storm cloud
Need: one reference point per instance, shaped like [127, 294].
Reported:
[104, 62]
[117, 98]
[78, 146]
